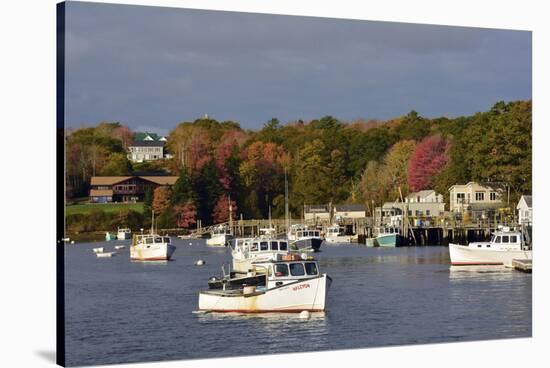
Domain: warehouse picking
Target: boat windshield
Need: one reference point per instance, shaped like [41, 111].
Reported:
[297, 269]
[311, 268]
[283, 245]
[281, 270]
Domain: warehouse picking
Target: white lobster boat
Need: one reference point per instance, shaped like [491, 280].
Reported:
[220, 237]
[123, 234]
[336, 234]
[294, 285]
[504, 247]
[246, 251]
[151, 247]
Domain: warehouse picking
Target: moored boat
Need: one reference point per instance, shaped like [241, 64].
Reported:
[151, 247]
[110, 236]
[99, 250]
[504, 247]
[389, 236]
[105, 254]
[336, 234]
[123, 233]
[245, 251]
[220, 236]
[307, 240]
[292, 285]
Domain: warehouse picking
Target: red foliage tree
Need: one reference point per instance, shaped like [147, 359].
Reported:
[221, 210]
[428, 159]
[224, 148]
[186, 214]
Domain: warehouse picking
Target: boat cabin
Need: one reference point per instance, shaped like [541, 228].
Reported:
[267, 232]
[390, 230]
[268, 245]
[284, 272]
[308, 234]
[502, 240]
[151, 239]
[221, 230]
[336, 231]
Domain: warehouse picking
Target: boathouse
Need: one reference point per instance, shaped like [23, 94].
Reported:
[106, 189]
[317, 213]
[349, 211]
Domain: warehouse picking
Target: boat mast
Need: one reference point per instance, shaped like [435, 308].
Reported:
[287, 218]
[230, 215]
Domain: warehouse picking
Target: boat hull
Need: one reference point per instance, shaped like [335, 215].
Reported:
[309, 243]
[218, 241]
[156, 252]
[391, 240]
[123, 236]
[462, 255]
[304, 295]
[338, 239]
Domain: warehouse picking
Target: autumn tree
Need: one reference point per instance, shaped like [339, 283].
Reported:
[185, 214]
[428, 159]
[161, 199]
[221, 210]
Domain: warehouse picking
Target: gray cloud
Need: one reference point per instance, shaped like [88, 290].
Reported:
[151, 66]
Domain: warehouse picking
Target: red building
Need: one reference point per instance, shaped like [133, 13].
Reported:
[125, 188]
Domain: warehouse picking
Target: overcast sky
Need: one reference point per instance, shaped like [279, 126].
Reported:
[151, 67]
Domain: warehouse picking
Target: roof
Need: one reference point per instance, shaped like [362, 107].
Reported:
[108, 180]
[140, 136]
[528, 200]
[316, 208]
[112, 180]
[101, 193]
[147, 144]
[494, 185]
[422, 193]
[161, 180]
[349, 207]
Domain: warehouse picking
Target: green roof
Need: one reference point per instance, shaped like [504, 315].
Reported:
[140, 136]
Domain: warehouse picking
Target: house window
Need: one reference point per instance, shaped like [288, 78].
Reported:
[493, 196]
[460, 197]
[480, 196]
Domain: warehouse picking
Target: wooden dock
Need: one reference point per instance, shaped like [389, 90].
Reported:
[523, 265]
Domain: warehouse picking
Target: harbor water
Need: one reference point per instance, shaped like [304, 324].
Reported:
[121, 311]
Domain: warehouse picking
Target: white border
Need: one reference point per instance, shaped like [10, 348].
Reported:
[28, 185]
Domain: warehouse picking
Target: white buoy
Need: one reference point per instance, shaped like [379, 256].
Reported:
[72, 241]
[304, 314]
[190, 243]
[200, 262]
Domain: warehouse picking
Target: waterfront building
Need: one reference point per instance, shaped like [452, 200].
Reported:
[106, 189]
[424, 196]
[479, 200]
[317, 213]
[525, 210]
[349, 211]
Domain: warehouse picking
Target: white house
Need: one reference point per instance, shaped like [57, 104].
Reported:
[475, 197]
[424, 196]
[525, 210]
[146, 150]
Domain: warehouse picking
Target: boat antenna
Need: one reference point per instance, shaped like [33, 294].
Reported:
[152, 222]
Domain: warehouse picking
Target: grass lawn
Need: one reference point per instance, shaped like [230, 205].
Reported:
[107, 207]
